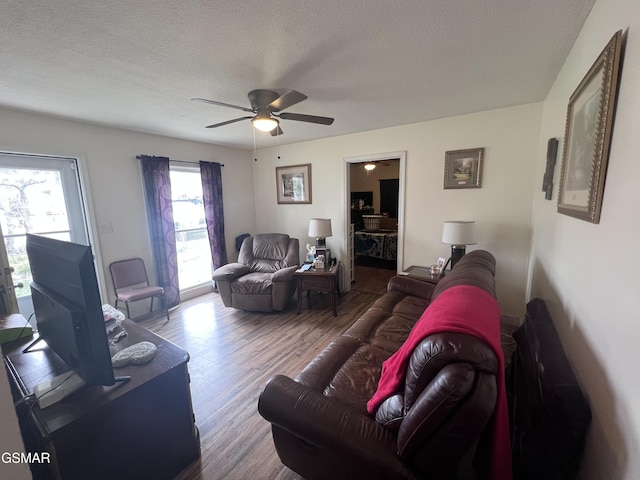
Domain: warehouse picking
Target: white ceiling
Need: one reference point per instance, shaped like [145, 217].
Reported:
[368, 63]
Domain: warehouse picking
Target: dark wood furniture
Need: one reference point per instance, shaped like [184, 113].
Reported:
[423, 273]
[143, 428]
[322, 280]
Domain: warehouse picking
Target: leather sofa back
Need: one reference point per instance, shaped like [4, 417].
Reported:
[476, 268]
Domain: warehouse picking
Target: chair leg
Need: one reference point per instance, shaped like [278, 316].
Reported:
[119, 306]
[128, 313]
[164, 303]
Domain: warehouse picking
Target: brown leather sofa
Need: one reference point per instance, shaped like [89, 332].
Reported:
[262, 278]
[435, 428]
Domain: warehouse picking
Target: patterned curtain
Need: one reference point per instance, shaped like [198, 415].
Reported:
[157, 188]
[213, 212]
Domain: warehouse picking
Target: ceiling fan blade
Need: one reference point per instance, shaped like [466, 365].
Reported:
[227, 122]
[286, 100]
[276, 132]
[299, 117]
[213, 102]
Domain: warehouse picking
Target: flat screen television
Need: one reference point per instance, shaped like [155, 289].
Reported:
[68, 311]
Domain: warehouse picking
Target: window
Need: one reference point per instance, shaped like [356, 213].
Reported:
[38, 195]
[192, 241]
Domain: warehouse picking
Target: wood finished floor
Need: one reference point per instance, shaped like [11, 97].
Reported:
[234, 353]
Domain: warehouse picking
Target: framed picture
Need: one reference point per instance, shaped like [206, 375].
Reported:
[588, 136]
[463, 168]
[293, 183]
[547, 180]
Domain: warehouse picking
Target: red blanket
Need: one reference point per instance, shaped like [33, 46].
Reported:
[462, 309]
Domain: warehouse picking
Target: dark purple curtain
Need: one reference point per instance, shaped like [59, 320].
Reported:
[157, 188]
[213, 212]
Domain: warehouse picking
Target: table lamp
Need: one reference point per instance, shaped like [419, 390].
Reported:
[320, 228]
[458, 234]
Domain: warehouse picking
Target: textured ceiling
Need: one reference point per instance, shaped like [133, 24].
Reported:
[368, 63]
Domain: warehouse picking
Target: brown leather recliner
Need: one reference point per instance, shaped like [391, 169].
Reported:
[435, 427]
[262, 279]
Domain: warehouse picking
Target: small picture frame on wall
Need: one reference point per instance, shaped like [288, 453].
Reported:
[293, 184]
[463, 168]
[587, 139]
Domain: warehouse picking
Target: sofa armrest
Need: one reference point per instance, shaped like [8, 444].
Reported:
[328, 424]
[284, 274]
[411, 286]
[434, 407]
[230, 271]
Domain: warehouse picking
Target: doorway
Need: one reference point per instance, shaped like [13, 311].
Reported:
[39, 195]
[374, 218]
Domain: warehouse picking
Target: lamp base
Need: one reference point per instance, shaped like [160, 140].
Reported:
[457, 252]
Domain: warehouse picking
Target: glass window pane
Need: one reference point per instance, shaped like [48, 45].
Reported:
[32, 201]
[194, 258]
[192, 242]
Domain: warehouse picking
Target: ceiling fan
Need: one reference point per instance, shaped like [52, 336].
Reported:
[263, 105]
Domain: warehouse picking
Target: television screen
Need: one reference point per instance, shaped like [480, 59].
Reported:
[67, 306]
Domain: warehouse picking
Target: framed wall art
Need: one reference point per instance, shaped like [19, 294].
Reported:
[587, 137]
[547, 181]
[293, 184]
[463, 168]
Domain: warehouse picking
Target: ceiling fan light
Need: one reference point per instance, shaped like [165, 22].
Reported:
[264, 124]
[369, 166]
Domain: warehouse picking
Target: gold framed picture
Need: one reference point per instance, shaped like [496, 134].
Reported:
[587, 138]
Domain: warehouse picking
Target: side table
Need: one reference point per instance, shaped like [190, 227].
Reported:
[323, 280]
[423, 273]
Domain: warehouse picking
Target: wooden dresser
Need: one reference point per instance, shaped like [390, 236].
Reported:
[143, 428]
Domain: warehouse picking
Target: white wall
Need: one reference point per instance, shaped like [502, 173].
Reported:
[588, 274]
[115, 182]
[10, 440]
[501, 208]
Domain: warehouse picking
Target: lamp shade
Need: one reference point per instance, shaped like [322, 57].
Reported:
[320, 227]
[458, 233]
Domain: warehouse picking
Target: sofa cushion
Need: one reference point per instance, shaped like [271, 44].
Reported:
[356, 381]
[256, 283]
[388, 322]
[392, 333]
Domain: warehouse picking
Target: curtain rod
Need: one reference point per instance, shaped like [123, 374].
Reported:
[185, 161]
[191, 163]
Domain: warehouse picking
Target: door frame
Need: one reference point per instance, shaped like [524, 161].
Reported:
[9, 301]
[375, 157]
[86, 207]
